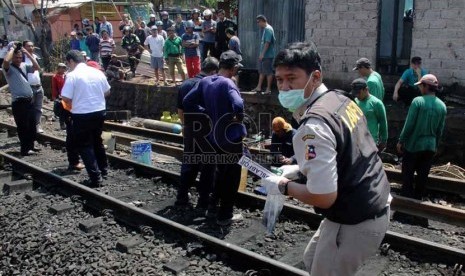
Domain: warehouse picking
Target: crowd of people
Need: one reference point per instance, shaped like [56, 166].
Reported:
[333, 141]
[333, 145]
[171, 43]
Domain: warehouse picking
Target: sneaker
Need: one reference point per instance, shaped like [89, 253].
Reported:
[62, 126]
[39, 129]
[226, 222]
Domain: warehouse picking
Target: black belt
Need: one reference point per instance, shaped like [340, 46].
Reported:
[36, 85]
[174, 55]
[23, 99]
[382, 212]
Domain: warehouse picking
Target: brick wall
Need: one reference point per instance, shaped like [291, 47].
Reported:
[344, 31]
[439, 38]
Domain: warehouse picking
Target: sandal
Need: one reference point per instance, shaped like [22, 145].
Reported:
[266, 93]
[255, 90]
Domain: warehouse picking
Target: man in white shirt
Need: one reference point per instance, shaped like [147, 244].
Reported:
[35, 83]
[85, 89]
[154, 44]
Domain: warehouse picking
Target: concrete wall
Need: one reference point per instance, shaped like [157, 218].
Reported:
[439, 37]
[148, 101]
[344, 31]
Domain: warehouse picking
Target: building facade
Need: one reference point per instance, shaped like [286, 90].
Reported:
[389, 33]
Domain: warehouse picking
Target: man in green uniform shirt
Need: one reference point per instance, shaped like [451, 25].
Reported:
[374, 80]
[420, 136]
[374, 111]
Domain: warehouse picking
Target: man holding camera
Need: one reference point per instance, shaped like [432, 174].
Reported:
[15, 71]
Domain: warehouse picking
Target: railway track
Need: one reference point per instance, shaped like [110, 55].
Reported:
[246, 201]
[410, 206]
[436, 183]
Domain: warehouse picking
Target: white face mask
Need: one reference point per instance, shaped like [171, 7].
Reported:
[294, 98]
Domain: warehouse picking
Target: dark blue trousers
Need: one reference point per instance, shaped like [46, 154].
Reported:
[87, 130]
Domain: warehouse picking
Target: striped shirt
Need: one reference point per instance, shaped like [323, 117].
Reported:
[106, 47]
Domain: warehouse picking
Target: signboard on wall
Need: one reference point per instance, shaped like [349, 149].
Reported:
[100, 10]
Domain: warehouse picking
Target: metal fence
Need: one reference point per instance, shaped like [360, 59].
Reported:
[286, 17]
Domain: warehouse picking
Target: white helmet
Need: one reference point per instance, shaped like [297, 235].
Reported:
[152, 15]
[207, 12]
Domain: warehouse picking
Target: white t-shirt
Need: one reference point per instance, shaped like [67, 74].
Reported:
[32, 78]
[156, 45]
[86, 87]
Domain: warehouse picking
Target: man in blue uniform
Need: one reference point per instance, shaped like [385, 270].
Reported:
[189, 170]
[218, 97]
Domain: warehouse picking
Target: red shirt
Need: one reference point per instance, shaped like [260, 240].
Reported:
[94, 64]
[57, 84]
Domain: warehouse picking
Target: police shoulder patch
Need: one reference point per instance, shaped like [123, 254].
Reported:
[310, 152]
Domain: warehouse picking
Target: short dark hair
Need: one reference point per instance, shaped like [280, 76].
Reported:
[416, 60]
[75, 56]
[261, 17]
[220, 11]
[210, 64]
[230, 31]
[303, 55]
[227, 65]
[26, 42]
[17, 50]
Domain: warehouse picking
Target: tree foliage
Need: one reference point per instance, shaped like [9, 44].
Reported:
[39, 29]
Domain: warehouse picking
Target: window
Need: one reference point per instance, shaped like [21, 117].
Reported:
[394, 35]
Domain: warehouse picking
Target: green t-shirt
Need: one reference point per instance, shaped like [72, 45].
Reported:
[424, 124]
[375, 85]
[173, 47]
[375, 113]
[268, 36]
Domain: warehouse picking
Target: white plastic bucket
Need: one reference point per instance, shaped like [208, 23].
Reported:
[141, 152]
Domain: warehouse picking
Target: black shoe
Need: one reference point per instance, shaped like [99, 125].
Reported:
[181, 202]
[36, 150]
[104, 174]
[28, 153]
[93, 184]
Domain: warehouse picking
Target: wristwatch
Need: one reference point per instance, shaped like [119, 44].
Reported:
[283, 188]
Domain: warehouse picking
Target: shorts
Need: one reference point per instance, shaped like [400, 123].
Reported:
[172, 61]
[265, 67]
[156, 62]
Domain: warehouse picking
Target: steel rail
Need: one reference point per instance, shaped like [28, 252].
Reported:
[437, 183]
[139, 217]
[406, 205]
[401, 241]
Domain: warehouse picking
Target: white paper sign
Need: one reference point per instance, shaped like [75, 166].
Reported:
[254, 167]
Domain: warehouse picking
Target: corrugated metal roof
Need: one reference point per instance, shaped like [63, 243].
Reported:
[68, 3]
[286, 17]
